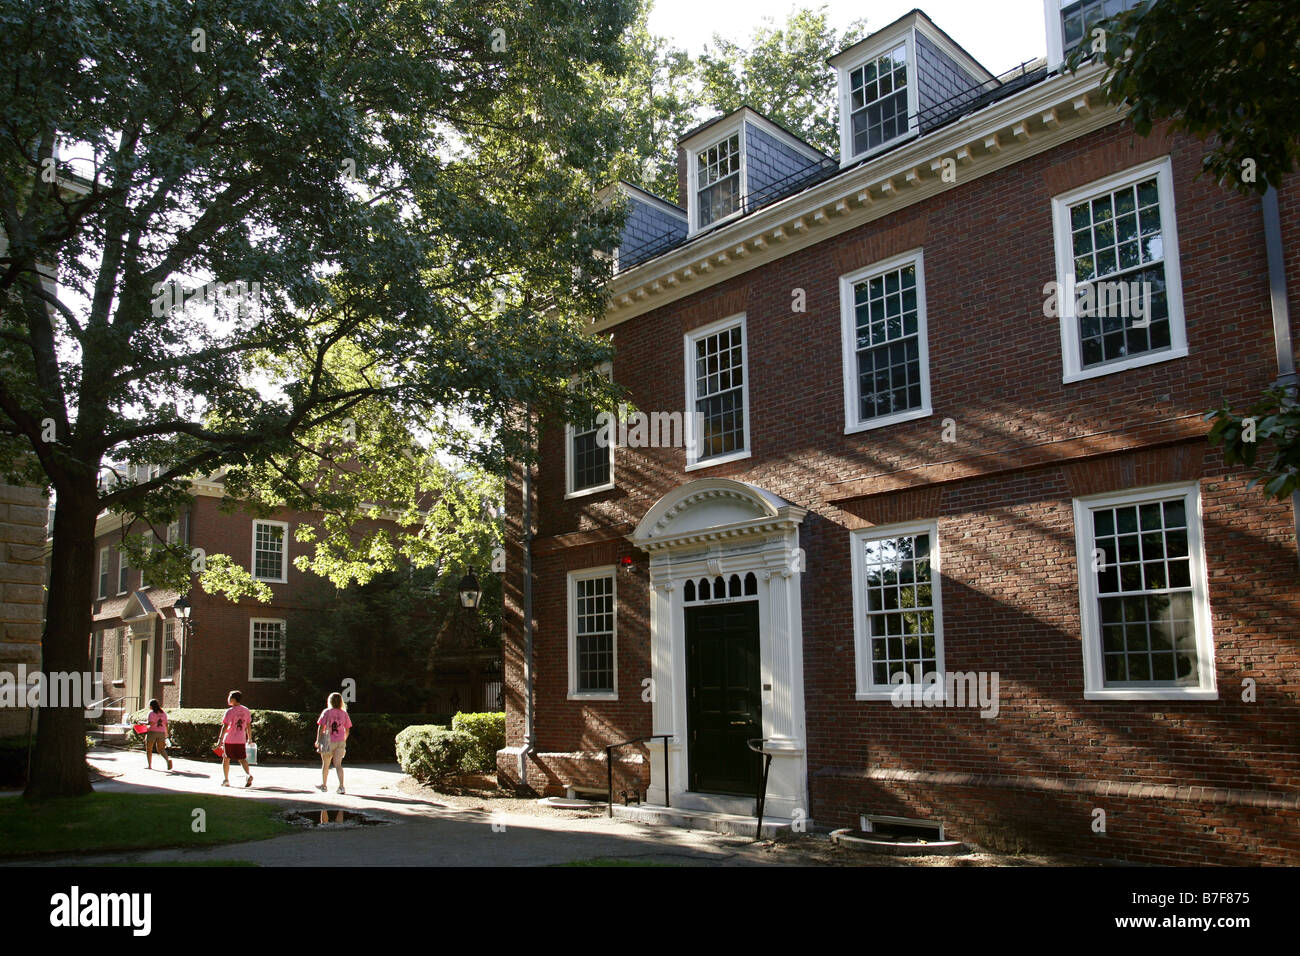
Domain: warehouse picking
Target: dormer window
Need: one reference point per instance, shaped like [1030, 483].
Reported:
[1070, 23]
[902, 81]
[878, 100]
[717, 177]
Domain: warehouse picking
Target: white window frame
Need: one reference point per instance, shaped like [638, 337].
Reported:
[170, 626]
[123, 583]
[848, 324]
[1162, 170]
[606, 571]
[284, 554]
[1090, 627]
[148, 544]
[693, 441]
[104, 576]
[723, 131]
[906, 35]
[1056, 32]
[252, 627]
[866, 689]
[606, 369]
[121, 660]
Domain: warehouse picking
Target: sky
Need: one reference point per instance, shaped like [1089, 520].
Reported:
[1001, 34]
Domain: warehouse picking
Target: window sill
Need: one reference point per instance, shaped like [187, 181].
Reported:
[895, 419]
[1153, 358]
[596, 489]
[1152, 693]
[719, 460]
[266, 680]
[166, 680]
[877, 150]
[594, 695]
[271, 580]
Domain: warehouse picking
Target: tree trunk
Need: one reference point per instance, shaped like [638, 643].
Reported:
[59, 761]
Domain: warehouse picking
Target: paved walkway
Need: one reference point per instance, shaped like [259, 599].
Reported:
[423, 832]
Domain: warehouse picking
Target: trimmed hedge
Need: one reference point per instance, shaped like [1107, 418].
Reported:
[428, 752]
[284, 734]
[489, 735]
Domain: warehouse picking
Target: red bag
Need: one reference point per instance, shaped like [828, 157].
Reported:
[219, 750]
[140, 728]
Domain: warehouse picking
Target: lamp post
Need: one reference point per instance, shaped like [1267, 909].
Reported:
[182, 609]
[470, 592]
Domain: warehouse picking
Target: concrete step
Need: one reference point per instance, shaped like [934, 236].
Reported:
[774, 828]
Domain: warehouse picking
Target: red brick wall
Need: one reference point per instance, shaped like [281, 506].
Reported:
[1003, 500]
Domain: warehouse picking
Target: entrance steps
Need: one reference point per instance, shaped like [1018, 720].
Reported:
[736, 824]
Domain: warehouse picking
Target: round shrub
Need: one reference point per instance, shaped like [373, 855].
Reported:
[427, 752]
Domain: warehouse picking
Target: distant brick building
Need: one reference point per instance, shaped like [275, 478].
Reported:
[136, 640]
[902, 458]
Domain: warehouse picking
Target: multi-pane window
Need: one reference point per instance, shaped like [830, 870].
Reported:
[169, 648]
[1146, 625]
[885, 354]
[717, 392]
[120, 675]
[591, 642]
[1121, 300]
[590, 463]
[148, 546]
[878, 98]
[267, 652]
[898, 624]
[123, 568]
[717, 180]
[1078, 19]
[97, 655]
[269, 550]
[103, 572]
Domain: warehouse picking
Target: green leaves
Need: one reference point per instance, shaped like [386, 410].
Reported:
[1271, 424]
[1220, 70]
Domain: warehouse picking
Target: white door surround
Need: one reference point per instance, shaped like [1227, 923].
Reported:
[719, 527]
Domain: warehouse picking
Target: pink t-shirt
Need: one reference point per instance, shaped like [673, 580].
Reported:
[236, 723]
[158, 721]
[337, 721]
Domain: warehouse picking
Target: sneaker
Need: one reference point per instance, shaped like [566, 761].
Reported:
[341, 790]
[322, 788]
[225, 783]
[249, 781]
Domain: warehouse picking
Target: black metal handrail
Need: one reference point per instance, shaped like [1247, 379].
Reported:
[762, 787]
[609, 764]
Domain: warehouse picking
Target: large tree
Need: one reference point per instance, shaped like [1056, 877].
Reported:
[782, 73]
[404, 186]
[1227, 72]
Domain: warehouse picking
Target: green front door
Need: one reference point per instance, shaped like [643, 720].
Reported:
[724, 707]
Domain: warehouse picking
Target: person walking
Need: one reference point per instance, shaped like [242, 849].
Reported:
[236, 733]
[156, 736]
[333, 727]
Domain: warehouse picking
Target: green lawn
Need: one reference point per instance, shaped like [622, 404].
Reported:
[130, 821]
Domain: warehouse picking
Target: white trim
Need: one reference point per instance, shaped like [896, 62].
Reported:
[692, 441]
[1071, 357]
[104, 576]
[122, 565]
[1090, 630]
[1055, 33]
[849, 352]
[864, 688]
[606, 369]
[588, 574]
[723, 130]
[147, 543]
[904, 33]
[252, 624]
[284, 553]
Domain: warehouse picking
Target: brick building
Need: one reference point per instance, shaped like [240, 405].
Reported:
[902, 458]
[138, 638]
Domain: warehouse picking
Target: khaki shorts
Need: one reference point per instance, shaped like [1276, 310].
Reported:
[334, 753]
[155, 739]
